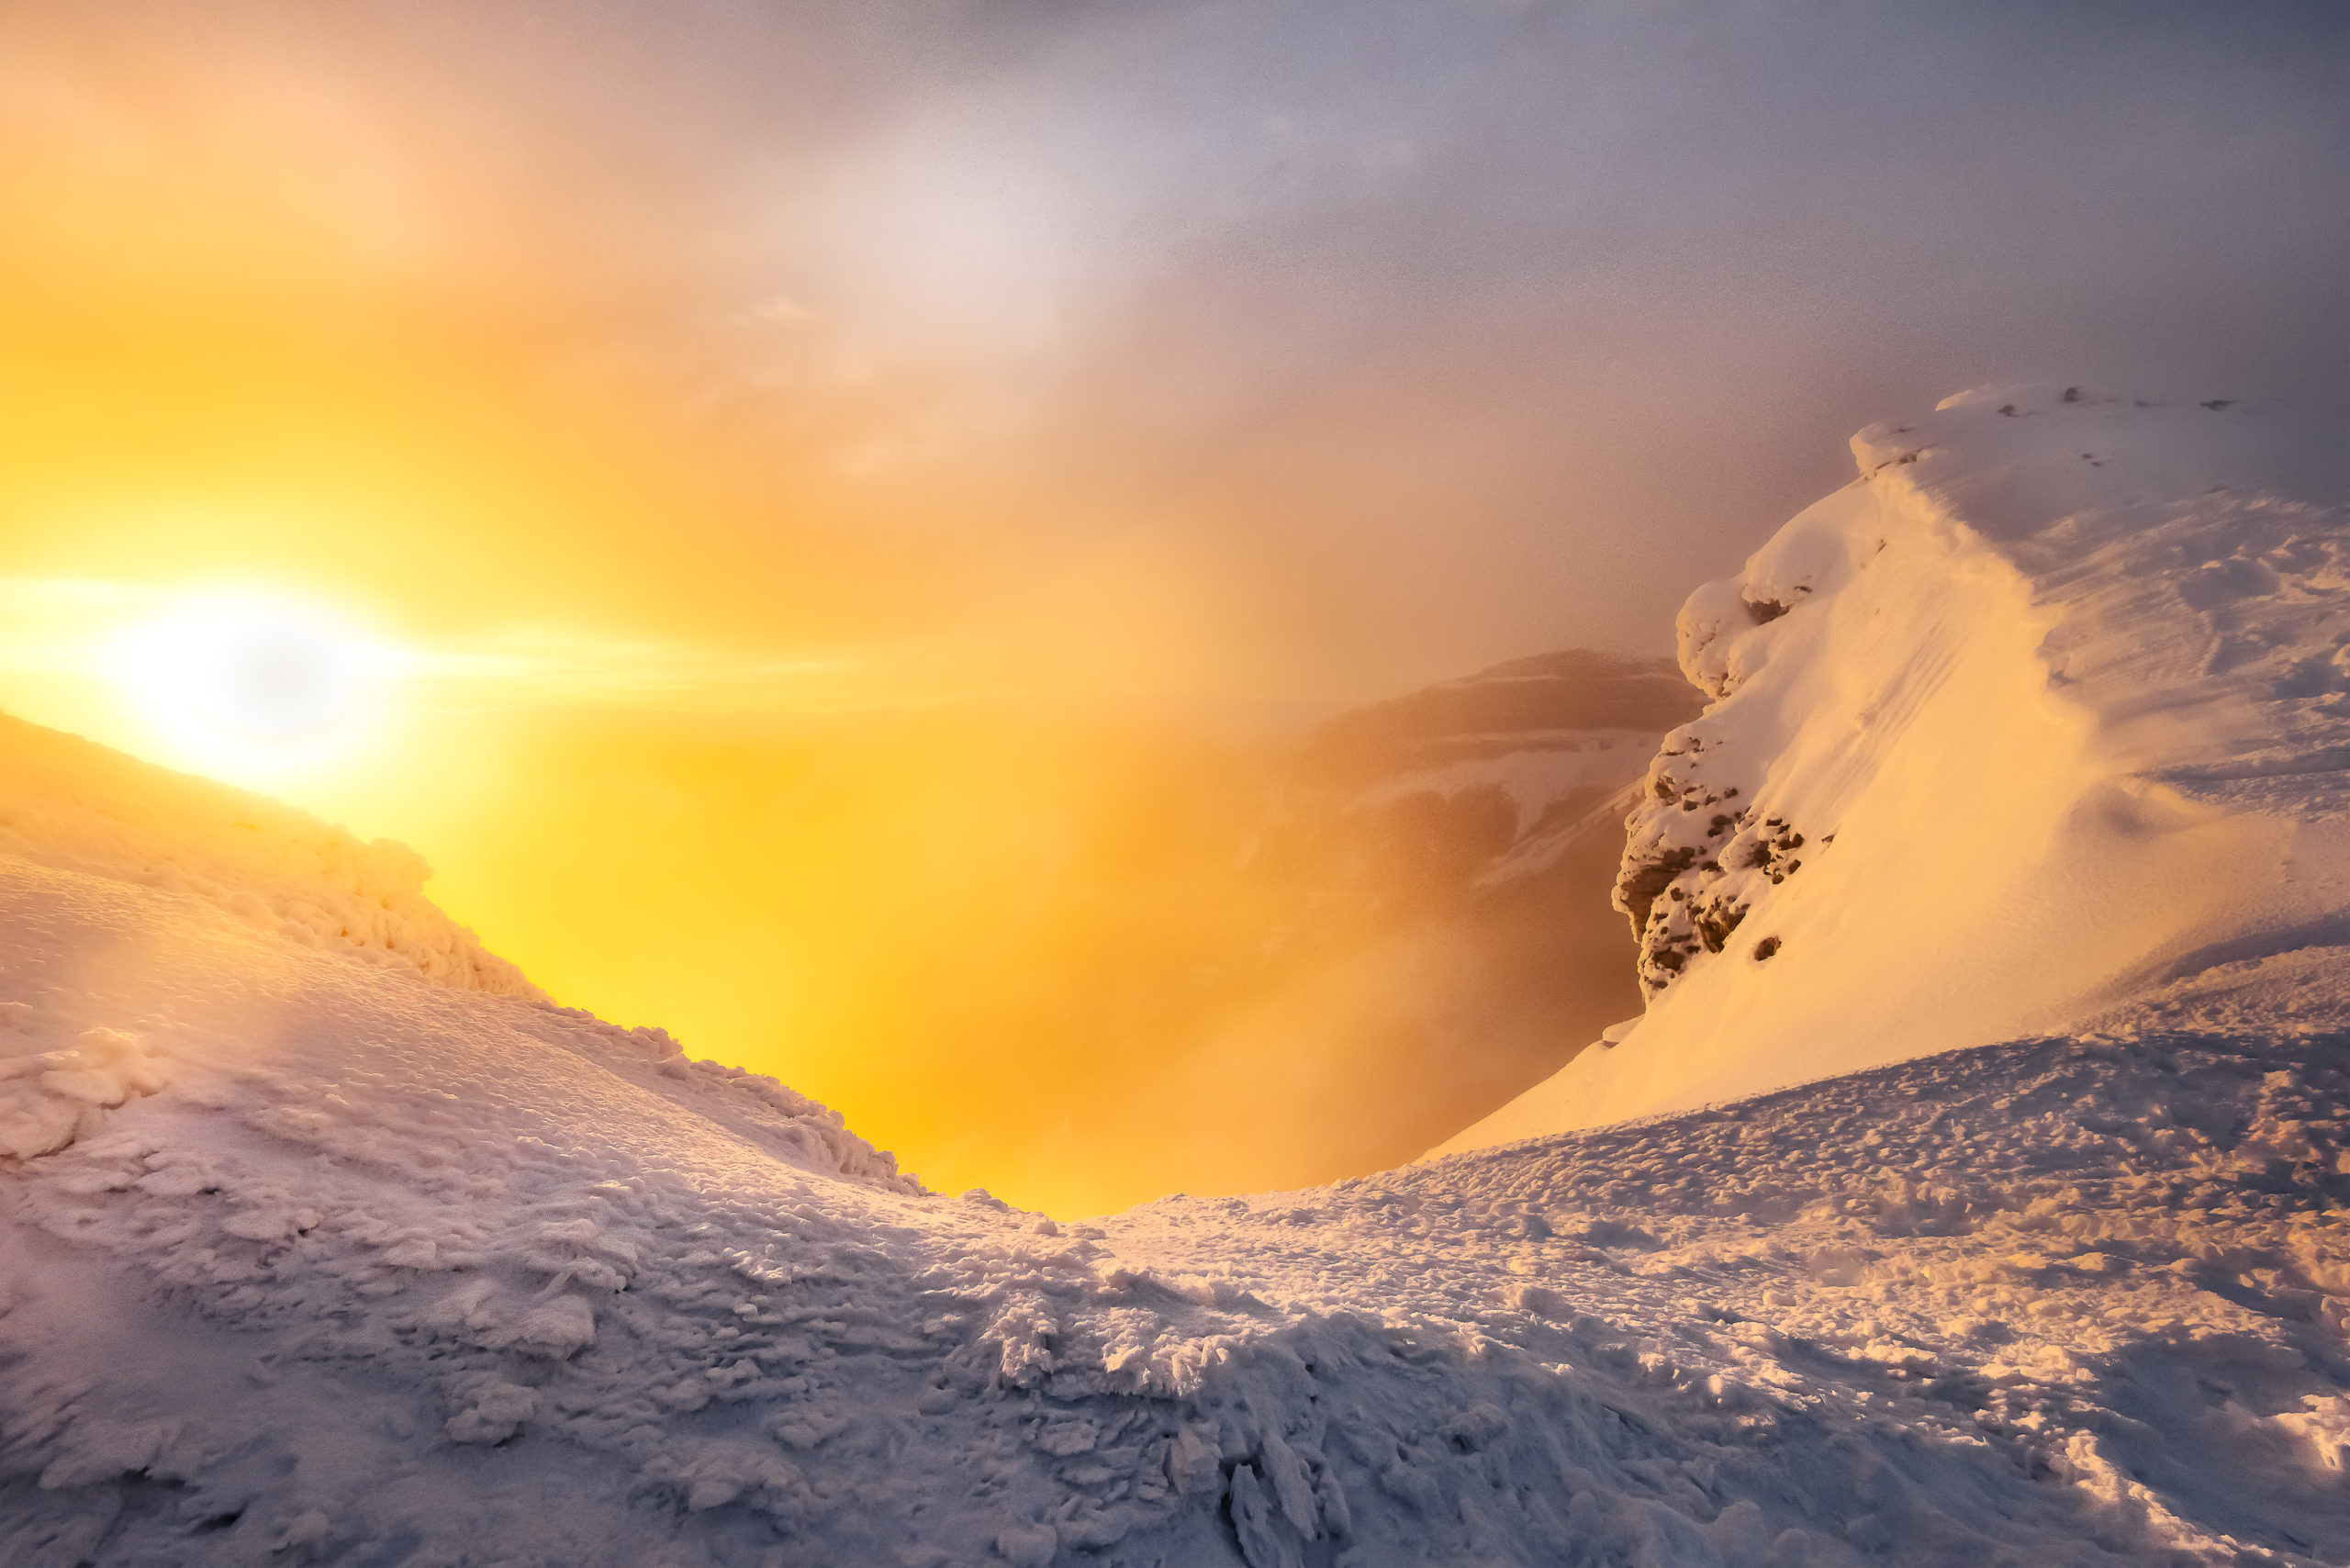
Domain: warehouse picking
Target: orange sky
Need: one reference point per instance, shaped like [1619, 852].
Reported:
[278, 325]
[654, 379]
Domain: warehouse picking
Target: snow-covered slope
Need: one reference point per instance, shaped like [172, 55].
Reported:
[351, 1268]
[325, 1262]
[67, 803]
[2045, 711]
[370, 1272]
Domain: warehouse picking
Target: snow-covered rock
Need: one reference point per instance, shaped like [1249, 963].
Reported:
[2047, 709]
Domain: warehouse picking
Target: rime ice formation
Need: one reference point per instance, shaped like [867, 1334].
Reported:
[68, 803]
[2042, 713]
[308, 1259]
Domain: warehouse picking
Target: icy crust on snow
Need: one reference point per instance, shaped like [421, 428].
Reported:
[69, 802]
[383, 1273]
[2046, 707]
[53, 1091]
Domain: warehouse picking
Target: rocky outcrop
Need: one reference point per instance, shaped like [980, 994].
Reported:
[1695, 857]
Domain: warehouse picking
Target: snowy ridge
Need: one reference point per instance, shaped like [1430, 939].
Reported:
[338, 1266]
[1419, 894]
[1558, 834]
[387, 1273]
[2044, 709]
[67, 803]
[222, 856]
[1525, 704]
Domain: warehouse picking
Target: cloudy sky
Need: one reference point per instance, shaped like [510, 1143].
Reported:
[1269, 349]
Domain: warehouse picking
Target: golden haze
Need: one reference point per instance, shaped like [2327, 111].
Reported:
[770, 710]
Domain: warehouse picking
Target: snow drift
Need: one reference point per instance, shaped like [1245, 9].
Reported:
[2042, 713]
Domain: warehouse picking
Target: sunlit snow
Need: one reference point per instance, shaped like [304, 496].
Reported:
[324, 1238]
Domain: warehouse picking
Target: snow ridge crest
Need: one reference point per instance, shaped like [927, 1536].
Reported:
[2045, 709]
[74, 805]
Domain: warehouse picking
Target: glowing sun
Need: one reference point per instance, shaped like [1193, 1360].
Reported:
[237, 683]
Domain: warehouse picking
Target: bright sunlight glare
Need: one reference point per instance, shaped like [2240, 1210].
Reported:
[251, 687]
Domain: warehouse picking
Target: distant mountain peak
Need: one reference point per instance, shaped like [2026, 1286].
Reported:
[1556, 694]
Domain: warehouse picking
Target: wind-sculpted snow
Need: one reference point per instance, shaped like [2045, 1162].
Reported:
[2043, 709]
[381, 1272]
[66, 801]
[49, 1096]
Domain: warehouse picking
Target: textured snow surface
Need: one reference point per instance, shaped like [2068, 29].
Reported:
[66, 801]
[305, 1258]
[381, 1272]
[2045, 709]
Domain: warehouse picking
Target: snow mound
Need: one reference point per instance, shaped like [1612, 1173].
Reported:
[68, 802]
[50, 1097]
[2047, 709]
